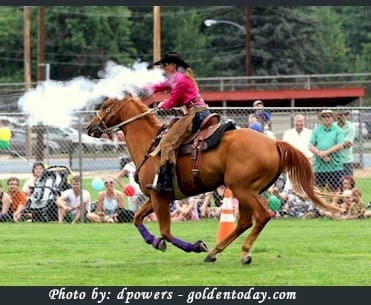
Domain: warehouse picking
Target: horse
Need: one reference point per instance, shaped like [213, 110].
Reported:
[246, 161]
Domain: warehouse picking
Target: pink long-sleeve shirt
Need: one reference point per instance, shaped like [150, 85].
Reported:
[182, 91]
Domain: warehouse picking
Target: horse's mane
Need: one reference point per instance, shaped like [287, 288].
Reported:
[154, 121]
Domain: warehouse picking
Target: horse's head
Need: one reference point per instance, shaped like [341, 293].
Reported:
[106, 118]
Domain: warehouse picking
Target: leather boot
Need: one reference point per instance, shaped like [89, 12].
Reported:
[163, 180]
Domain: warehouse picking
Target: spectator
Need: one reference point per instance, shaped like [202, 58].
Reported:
[254, 123]
[5, 201]
[269, 133]
[277, 194]
[351, 209]
[297, 205]
[346, 183]
[29, 184]
[264, 117]
[349, 135]
[109, 203]
[69, 202]
[216, 197]
[185, 209]
[138, 199]
[325, 143]
[18, 199]
[299, 136]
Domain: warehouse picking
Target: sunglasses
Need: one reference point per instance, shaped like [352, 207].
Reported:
[108, 182]
[326, 116]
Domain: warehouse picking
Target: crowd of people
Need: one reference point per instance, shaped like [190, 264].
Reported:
[329, 147]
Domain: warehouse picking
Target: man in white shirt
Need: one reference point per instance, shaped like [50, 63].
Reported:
[299, 136]
[69, 201]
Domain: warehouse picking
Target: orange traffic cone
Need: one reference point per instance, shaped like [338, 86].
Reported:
[226, 221]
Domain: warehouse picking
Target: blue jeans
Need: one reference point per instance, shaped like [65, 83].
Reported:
[198, 119]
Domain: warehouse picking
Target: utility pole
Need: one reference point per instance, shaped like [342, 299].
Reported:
[248, 42]
[41, 45]
[40, 128]
[27, 47]
[156, 33]
[27, 69]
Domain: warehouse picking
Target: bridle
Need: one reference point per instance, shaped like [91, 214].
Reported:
[117, 127]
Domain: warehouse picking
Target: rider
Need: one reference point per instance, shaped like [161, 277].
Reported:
[184, 93]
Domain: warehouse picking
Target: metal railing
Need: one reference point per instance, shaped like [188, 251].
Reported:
[11, 92]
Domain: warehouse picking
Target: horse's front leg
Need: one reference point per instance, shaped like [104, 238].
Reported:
[145, 210]
[161, 205]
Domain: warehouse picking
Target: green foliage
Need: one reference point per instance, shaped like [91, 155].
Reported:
[312, 252]
[284, 40]
[11, 48]
[331, 39]
[87, 37]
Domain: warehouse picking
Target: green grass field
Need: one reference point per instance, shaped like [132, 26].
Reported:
[310, 252]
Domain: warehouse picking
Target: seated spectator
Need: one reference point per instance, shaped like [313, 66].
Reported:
[5, 201]
[109, 204]
[351, 209]
[277, 195]
[216, 198]
[298, 205]
[69, 202]
[138, 199]
[359, 203]
[29, 184]
[185, 209]
[346, 183]
[18, 199]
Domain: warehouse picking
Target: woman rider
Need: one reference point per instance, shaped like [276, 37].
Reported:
[184, 93]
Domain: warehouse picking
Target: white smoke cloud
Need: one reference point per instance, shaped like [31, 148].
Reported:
[53, 102]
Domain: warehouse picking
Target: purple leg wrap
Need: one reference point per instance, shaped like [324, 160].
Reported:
[148, 237]
[188, 247]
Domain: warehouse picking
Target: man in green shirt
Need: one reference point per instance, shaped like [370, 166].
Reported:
[326, 144]
[349, 135]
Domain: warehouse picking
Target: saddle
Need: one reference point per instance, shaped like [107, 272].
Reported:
[207, 137]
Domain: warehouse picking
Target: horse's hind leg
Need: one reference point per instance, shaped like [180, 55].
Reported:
[244, 222]
[261, 216]
[250, 208]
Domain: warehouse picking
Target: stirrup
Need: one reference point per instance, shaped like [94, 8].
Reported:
[152, 187]
[156, 188]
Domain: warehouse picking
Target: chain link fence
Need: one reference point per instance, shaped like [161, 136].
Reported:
[93, 158]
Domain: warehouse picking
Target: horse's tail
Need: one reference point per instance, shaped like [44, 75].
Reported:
[300, 173]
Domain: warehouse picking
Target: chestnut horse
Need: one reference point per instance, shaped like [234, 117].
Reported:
[246, 161]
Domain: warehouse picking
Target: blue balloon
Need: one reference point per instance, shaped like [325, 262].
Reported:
[97, 184]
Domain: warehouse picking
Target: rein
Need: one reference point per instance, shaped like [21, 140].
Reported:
[118, 126]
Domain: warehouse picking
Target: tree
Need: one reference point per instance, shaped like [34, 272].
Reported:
[331, 39]
[11, 49]
[80, 40]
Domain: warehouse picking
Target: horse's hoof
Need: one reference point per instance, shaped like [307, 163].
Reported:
[246, 260]
[200, 246]
[159, 244]
[210, 259]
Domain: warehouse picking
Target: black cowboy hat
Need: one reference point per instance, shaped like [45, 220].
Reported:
[171, 57]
